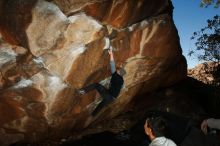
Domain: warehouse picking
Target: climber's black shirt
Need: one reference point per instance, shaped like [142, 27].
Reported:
[116, 84]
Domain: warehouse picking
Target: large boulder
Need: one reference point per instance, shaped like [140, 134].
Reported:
[48, 49]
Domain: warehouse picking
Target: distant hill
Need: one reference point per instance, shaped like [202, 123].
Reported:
[208, 73]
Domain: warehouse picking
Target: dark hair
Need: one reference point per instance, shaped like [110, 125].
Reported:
[121, 70]
[158, 125]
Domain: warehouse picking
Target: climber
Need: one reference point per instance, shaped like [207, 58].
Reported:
[116, 83]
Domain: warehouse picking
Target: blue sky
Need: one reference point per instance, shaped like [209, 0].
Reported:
[190, 17]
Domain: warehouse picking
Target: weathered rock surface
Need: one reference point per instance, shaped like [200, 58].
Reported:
[208, 73]
[48, 49]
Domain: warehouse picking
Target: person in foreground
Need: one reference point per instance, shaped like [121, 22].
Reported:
[210, 123]
[155, 128]
[112, 93]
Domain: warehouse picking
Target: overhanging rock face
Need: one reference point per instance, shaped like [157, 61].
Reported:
[48, 49]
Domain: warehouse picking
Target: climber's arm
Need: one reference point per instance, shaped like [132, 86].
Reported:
[112, 61]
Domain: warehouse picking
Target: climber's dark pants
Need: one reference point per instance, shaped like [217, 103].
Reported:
[104, 93]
